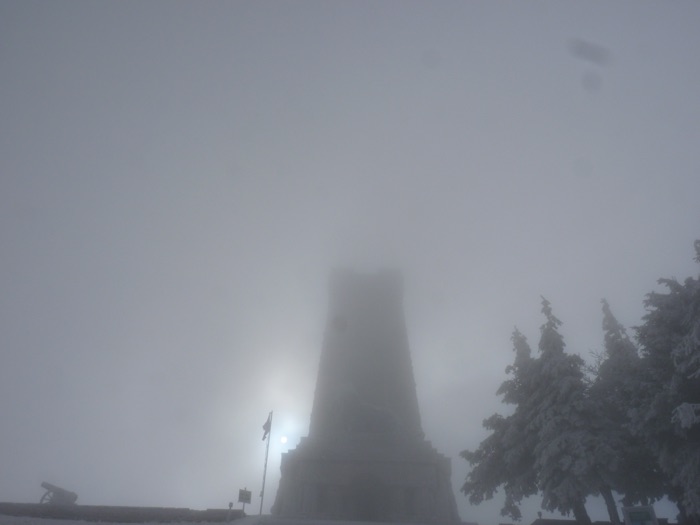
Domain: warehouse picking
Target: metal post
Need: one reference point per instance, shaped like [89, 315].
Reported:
[267, 453]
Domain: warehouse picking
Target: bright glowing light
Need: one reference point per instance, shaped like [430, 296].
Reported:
[283, 439]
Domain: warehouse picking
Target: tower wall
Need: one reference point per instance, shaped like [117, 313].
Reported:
[366, 457]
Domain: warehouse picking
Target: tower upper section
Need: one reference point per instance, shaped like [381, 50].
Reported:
[365, 388]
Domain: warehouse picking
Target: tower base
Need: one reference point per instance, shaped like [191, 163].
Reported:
[366, 481]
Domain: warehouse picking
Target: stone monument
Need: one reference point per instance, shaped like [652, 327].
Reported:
[366, 457]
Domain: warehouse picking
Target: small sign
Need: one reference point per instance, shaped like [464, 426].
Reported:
[643, 515]
[243, 496]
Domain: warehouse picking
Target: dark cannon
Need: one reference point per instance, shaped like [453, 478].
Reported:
[57, 495]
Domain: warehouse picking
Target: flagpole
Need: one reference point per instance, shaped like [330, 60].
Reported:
[267, 453]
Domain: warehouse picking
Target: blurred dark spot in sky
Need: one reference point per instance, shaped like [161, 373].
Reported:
[591, 79]
[589, 51]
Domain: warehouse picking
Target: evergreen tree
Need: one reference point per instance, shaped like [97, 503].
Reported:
[668, 390]
[548, 444]
[687, 357]
[519, 441]
[565, 454]
[505, 458]
[635, 431]
[631, 470]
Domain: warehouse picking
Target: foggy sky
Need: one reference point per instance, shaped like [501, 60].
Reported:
[177, 180]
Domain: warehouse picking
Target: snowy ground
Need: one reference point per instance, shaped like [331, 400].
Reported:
[24, 520]
[250, 520]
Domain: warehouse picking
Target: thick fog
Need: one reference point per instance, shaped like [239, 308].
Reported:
[178, 179]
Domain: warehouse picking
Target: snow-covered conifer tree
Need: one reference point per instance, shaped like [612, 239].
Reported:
[505, 458]
[548, 444]
[565, 454]
[632, 470]
[669, 389]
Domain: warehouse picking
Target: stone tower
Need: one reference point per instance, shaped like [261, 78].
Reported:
[366, 458]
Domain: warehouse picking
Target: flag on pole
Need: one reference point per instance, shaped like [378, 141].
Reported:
[267, 426]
